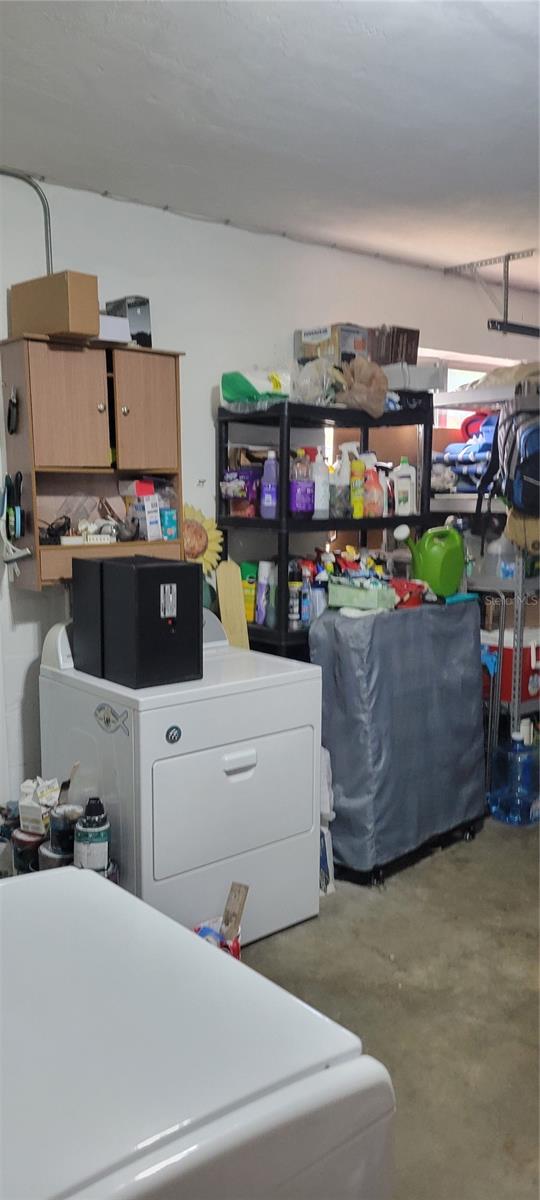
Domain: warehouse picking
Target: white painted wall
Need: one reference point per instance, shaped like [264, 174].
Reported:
[228, 299]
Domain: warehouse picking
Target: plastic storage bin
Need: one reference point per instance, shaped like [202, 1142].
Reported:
[514, 796]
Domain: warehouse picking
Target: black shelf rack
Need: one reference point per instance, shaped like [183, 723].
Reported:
[417, 409]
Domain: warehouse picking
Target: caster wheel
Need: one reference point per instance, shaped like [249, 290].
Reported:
[469, 834]
[377, 877]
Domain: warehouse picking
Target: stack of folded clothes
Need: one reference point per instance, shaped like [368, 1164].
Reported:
[461, 465]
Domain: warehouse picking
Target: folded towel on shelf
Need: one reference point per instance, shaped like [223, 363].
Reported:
[467, 460]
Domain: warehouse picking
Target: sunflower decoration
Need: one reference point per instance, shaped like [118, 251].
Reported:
[202, 539]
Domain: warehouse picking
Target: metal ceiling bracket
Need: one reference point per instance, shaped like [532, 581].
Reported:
[471, 269]
[513, 327]
[495, 299]
[490, 262]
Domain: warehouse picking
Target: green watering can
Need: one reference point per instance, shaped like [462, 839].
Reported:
[438, 558]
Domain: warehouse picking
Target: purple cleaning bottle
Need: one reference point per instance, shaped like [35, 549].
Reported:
[301, 487]
[269, 488]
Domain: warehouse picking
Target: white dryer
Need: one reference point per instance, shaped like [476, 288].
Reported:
[204, 782]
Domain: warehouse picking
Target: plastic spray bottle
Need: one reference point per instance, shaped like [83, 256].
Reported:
[373, 494]
[321, 479]
[295, 595]
[357, 488]
[305, 599]
[301, 487]
[269, 488]
[404, 478]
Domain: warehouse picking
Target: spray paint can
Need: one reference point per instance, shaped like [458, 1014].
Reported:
[63, 821]
[93, 838]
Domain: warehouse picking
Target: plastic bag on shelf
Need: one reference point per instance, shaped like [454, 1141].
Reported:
[315, 383]
[366, 386]
[254, 390]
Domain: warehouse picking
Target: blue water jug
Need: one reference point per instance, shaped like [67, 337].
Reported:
[514, 796]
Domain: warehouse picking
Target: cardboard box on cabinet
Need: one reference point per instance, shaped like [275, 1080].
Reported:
[61, 305]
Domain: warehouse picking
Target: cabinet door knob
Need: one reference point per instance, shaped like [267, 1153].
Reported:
[101, 407]
[125, 410]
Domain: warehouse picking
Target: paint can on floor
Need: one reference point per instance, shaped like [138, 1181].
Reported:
[63, 821]
[25, 851]
[48, 857]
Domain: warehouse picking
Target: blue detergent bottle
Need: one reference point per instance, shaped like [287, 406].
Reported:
[514, 796]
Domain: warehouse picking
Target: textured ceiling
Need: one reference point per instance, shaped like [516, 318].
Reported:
[408, 129]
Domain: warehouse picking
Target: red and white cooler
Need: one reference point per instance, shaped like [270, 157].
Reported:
[530, 667]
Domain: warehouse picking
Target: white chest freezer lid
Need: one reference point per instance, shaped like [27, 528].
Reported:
[121, 1030]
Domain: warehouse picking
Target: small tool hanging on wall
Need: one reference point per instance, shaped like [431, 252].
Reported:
[10, 553]
[13, 412]
[16, 522]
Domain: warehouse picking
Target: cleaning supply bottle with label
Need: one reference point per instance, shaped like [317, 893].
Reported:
[357, 488]
[305, 599]
[271, 611]
[248, 572]
[383, 471]
[301, 487]
[295, 596]
[263, 591]
[373, 494]
[404, 478]
[349, 451]
[321, 479]
[498, 561]
[269, 488]
[92, 838]
[339, 489]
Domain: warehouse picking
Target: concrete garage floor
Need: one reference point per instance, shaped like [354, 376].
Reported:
[438, 974]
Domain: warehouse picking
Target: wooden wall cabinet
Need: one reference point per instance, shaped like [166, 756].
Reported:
[88, 415]
[70, 422]
[145, 397]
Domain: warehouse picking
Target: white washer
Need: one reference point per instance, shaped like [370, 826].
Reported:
[204, 782]
[139, 1062]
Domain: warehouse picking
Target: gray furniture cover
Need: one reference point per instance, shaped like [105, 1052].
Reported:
[402, 719]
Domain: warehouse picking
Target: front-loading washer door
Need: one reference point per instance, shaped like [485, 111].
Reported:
[221, 802]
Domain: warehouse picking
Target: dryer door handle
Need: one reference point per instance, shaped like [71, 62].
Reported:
[240, 760]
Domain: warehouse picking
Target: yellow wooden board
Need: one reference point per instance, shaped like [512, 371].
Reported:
[231, 604]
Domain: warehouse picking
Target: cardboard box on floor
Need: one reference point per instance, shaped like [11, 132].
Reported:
[61, 305]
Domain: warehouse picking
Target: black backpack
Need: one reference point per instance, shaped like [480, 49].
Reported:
[514, 466]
